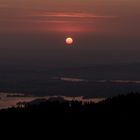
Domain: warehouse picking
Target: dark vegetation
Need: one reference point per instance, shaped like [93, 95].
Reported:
[115, 117]
[122, 108]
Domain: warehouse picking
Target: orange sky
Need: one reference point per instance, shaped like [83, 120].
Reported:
[98, 16]
[94, 24]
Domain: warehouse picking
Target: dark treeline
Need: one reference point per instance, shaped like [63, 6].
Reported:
[114, 115]
[122, 108]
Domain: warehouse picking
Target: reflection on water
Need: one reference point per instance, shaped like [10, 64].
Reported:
[70, 79]
[73, 79]
[10, 99]
[121, 81]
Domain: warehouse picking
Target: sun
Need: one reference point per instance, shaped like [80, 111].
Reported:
[69, 40]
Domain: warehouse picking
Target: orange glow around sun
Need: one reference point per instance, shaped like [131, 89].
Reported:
[69, 40]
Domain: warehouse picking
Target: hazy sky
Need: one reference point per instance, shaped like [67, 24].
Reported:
[94, 24]
[117, 16]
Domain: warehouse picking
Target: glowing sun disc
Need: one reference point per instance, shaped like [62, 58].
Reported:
[69, 40]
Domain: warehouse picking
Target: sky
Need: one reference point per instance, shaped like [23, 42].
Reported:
[104, 31]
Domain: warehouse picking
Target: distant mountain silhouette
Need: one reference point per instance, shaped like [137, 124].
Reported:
[85, 81]
[53, 99]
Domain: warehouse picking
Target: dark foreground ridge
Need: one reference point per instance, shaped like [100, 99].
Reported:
[115, 109]
[114, 115]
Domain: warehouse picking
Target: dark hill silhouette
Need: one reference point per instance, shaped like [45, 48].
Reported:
[116, 114]
[119, 108]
